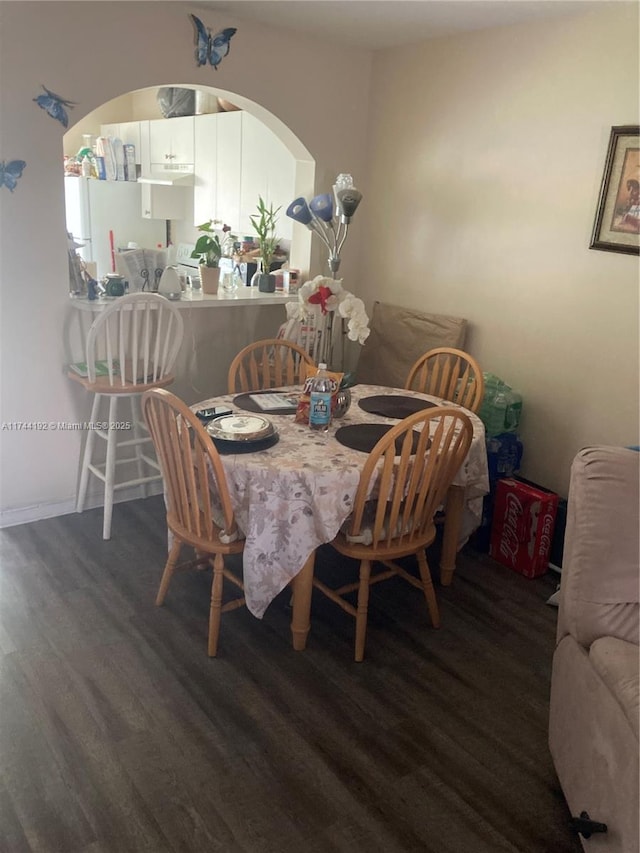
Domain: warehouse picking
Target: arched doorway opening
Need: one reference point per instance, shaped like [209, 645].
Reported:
[220, 158]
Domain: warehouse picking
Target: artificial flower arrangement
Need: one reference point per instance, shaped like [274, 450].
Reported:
[322, 296]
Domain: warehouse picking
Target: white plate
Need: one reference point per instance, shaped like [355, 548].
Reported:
[240, 428]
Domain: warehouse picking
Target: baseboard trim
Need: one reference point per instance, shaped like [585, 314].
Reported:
[51, 509]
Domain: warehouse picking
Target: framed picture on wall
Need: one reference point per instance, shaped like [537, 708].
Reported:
[617, 225]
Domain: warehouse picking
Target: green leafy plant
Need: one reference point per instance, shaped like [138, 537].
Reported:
[264, 224]
[208, 247]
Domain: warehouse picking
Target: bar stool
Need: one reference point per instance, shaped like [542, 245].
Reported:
[131, 347]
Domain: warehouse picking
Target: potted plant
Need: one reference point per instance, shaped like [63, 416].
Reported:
[209, 250]
[264, 224]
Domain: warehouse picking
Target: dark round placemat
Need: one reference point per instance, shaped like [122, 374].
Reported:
[364, 437]
[225, 447]
[394, 405]
[244, 401]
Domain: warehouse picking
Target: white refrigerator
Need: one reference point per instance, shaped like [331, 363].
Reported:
[96, 208]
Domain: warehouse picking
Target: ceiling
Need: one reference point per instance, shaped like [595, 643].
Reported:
[376, 24]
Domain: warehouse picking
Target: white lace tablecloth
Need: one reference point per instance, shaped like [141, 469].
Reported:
[294, 496]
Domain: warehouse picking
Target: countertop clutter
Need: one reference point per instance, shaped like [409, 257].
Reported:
[197, 299]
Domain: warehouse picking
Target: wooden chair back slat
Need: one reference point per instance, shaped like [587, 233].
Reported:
[402, 484]
[194, 479]
[269, 363]
[191, 468]
[448, 373]
[409, 484]
[139, 337]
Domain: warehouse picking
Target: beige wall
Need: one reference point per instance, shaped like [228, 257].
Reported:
[91, 53]
[119, 109]
[486, 156]
[133, 106]
[485, 151]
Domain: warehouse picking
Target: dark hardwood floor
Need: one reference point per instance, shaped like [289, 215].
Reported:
[118, 733]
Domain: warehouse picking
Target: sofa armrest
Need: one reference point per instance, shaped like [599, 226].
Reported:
[600, 568]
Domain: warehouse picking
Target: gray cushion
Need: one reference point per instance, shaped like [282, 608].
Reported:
[398, 337]
[617, 663]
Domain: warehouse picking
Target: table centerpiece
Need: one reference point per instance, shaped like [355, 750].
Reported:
[311, 321]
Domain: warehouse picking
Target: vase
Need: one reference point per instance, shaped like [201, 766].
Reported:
[343, 402]
[266, 282]
[209, 276]
[228, 283]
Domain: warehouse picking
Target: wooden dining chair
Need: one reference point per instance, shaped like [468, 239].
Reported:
[408, 472]
[131, 347]
[449, 373]
[270, 363]
[199, 511]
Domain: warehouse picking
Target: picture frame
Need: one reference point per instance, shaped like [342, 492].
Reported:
[617, 223]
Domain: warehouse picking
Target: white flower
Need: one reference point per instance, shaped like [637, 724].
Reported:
[358, 330]
[320, 295]
[352, 309]
[327, 294]
[294, 311]
[320, 298]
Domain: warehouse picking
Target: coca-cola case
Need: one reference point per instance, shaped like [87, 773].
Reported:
[523, 520]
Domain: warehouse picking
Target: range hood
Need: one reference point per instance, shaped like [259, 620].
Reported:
[167, 178]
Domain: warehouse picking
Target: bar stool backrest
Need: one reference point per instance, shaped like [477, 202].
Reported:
[135, 341]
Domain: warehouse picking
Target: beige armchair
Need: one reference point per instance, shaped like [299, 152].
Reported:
[593, 724]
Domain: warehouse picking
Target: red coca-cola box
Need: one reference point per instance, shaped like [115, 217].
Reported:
[523, 520]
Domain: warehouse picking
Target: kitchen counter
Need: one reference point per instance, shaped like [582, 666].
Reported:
[211, 337]
[197, 299]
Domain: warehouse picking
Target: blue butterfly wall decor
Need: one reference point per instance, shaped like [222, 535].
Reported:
[211, 48]
[55, 105]
[10, 172]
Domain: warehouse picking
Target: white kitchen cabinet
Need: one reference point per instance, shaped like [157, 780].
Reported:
[268, 170]
[218, 164]
[205, 169]
[171, 142]
[165, 202]
[253, 178]
[229, 161]
[237, 159]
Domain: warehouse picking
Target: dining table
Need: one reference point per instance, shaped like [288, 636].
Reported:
[293, 493]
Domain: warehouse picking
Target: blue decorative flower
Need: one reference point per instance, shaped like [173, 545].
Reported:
[299, 210]
[322, 206]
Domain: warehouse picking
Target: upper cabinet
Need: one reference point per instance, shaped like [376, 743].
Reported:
[234, 159]
[161, 202]
[205, 205]
[218, 165]
[171, 142]
[268, 170]
[237, 159]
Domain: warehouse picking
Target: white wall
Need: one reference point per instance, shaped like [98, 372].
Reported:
[487, 152]
[91, 53]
